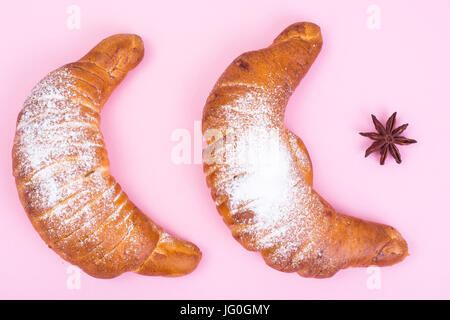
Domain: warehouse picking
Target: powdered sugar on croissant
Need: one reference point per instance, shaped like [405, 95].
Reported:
[260, 173]
[62, 172]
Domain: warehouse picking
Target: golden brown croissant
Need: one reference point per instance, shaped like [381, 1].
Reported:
[260, 173]
[62, 172]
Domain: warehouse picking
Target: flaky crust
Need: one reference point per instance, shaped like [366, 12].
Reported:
[270, 206]
[62, 172]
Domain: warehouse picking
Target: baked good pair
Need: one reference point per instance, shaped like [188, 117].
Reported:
[259, 172]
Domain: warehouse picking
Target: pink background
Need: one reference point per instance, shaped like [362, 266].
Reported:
[403, 66]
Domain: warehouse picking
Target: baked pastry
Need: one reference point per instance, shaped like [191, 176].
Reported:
[62, 172]
[260, 173]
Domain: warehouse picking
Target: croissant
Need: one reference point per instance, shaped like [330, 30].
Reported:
[62, 172]
[260, 173]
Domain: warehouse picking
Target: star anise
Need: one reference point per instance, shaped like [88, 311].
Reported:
[386, 138]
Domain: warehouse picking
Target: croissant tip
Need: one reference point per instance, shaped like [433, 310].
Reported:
[122, 51]
[394, 251]
[173, 258]
[306, 31]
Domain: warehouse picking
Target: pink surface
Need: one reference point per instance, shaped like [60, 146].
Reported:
[403, 66]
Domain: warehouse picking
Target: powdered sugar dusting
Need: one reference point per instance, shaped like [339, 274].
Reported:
[62, 172]
[56, 142]
[254, 168]
[63, 179]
